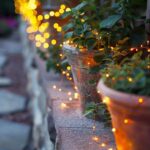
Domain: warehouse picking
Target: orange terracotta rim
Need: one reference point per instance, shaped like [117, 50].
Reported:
[121, 97]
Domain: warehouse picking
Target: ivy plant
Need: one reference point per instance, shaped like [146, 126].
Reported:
[132, 75]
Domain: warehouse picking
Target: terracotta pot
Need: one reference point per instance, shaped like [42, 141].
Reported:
[130, 118]
[80, 63]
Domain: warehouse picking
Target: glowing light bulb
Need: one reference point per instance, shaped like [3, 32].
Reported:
[68, 68]
[60, 90]
[94, 127]
[57, 14]
[54, 87]
[55, 25]
[69, 93]
[103, 145]
[40, 17]
[61, 11]
[46, 16]
[46, 35]
[140, 100]
[62, 6]
[126, 121]
[107, 75]
[59, 29]
[68, 9]
[46, 45]
[53, 42]
[95, 138]
[52, 13]
[130, 79]
[70, 98]
[38, 44]
[113, 129]
[106, 100]
[76, 95]
[63, 106]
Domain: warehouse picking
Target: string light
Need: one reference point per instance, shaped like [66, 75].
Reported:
[106, 100]
[103, 145]
[126, 121]
[95, 138]
[54, 87]
[46, 16]
[113, 129]
[52, 13]
[63, 106]
[140, 100]
[53, 42]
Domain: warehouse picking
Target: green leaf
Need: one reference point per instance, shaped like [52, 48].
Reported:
[68, 35]
[68, 26]
[110, 21]
[78, 7]
[91, 42]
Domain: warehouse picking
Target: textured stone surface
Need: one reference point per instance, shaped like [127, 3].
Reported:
[4, 81]
[13, 136]
[10, 102]
[10, 46]
[81, 139]
[74, 130]
[3, 60]
[72, 116]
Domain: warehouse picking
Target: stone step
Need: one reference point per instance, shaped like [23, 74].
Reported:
[13, 136]
[10, 102]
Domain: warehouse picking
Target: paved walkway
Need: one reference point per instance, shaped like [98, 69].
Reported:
[74, 131]
[15, 117]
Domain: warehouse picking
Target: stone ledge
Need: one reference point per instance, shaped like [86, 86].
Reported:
[74, 131]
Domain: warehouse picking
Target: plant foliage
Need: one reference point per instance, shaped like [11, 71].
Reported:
[130, 76]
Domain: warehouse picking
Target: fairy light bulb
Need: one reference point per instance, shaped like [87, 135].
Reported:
[68, 68]
[95, 138]
[54, 87]
[46, 45]
[53, 42]
[70, 98]
[94, 128]
[69, 93]
[46, 16]
[37, 44]
[106, 100]
[57, 14]
[130, 79]
[55, 25]
[140, 100]
[63, 106]
[126, 121]
[59, 29]
[103, 145]
[51, 13]
[113, 129]
[62, 6]
[46, 35]
[61, 11]
[107, 75]
[68, 9]
[40, 17]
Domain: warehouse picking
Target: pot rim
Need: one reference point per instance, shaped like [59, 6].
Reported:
[126, 98]
[73, 50]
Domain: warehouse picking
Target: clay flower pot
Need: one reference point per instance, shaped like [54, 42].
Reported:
[130, 118]
[80, 63]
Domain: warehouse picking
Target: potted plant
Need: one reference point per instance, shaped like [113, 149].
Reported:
[125, 90]
[95, 34]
